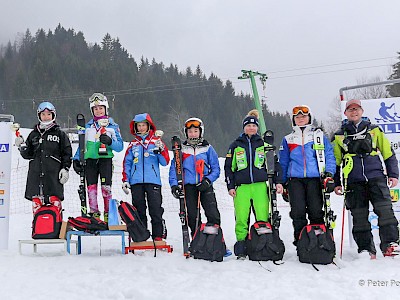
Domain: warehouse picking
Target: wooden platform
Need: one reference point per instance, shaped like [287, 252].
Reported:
[148, 245]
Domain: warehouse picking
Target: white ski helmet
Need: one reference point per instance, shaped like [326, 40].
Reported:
[98, 99]
[50, 107]
[304, 110]
[194, 122]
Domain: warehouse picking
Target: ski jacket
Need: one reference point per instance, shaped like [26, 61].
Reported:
[92, 140]
[141, 164]
[192, 154]
[297, 155]
[245, 162]
[49, 151]
[364, 144]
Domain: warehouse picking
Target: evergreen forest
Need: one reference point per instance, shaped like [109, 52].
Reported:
[60, 66]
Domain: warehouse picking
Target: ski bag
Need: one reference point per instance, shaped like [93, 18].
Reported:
[208, 243]
[316, 245]
[88, 224]
[47, 222]
[264, 243]
[137, 231]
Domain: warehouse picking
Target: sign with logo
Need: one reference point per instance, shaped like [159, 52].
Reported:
[385, 113]
[4, 147]
[6, 139]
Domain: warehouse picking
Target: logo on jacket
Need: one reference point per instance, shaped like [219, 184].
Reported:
[53, 138]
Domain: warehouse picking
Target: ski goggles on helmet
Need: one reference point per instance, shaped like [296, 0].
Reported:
[45, 105]
[301, 109]
[97, 97]
[193, 123]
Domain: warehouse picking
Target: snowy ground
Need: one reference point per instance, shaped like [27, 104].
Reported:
[108, 274]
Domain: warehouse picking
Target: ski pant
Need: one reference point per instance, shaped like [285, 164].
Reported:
[250, 196]
[305, 197]
[94, 168]
[208, 202]
[152, 192]
[358, 197]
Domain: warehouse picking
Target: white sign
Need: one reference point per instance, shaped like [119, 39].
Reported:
[6, 142]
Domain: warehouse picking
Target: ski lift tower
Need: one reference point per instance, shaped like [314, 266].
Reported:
[263, 77]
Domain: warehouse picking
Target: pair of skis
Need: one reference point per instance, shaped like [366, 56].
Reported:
[270, 155]
[80, 122]
[177, 152]
[319, 147]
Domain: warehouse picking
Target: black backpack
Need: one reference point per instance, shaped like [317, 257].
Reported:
[264, 243]
[137, 231]
[208, 243]
[316, 245]
[47, 222]
[88, 224]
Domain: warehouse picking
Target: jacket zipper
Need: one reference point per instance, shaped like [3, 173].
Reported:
[304, 156]
[251, 160]
[55, 158]
[363, 168]
[154, 170]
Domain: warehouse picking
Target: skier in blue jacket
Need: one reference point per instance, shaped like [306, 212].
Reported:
[200, 170]
[300, 171]
[141, 172]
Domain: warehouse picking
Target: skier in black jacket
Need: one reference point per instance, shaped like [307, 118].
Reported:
[49, 151]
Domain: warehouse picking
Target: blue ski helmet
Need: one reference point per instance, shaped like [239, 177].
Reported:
[50, 107]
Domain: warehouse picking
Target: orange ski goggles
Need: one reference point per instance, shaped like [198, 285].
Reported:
[301, 109]
[193, 123]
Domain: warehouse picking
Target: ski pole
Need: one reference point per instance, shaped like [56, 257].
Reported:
[348, 166]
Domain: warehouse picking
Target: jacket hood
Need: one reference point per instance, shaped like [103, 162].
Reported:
[145, 117]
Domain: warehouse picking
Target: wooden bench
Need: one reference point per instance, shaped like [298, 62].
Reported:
[79, 234]
[46, 242]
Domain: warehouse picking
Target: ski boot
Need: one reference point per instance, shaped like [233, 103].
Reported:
[95, 215]
[106, 217]
[392, 250]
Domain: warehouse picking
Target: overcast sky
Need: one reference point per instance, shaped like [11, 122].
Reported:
[225, 37]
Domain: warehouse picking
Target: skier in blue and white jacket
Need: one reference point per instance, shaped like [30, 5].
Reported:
[300, 172]
[200, 169]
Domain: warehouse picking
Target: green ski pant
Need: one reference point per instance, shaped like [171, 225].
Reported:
[247, 196]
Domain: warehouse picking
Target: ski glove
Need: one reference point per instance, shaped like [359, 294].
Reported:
[176, 191]
[63, 176]
[204, 185]
[19, 140]
[105, 139]
[126, 187]
[78, 168]
[328, 182]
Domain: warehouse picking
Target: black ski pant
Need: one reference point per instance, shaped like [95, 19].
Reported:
[96, 167]
[358, 197]
[208, 202]
[305, 196]
[152, 192]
